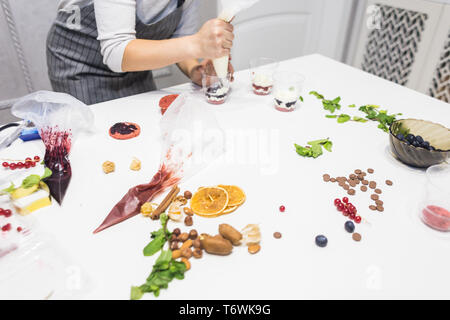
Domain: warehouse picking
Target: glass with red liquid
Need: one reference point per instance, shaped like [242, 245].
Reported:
[435, 208]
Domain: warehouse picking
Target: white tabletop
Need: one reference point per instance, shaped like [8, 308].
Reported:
[398, 257]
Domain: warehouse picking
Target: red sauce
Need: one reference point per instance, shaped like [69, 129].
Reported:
[131, 203]
[437, 218]
[57, 147]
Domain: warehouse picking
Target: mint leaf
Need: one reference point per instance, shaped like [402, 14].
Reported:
[352, 106]
[316, 150]
[136, 293]
[328, 146]
[343, 118]
[155, 245]
[317, 95]
[301, 98]
[10, 189]
[30, 181]
[47, 173]
[331, 116]
[359, 119]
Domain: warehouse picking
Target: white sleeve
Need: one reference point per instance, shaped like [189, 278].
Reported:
[116, 23]
[189, 20]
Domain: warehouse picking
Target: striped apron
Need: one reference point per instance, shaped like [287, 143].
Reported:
[75, 63]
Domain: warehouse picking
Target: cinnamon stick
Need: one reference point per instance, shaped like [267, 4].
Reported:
[166, 202]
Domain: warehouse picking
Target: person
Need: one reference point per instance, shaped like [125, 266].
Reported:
[98, 50]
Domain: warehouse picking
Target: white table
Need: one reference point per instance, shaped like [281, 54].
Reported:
[398, 257]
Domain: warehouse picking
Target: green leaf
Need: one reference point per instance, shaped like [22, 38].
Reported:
[10, 189]
[352, 106]
[316, 94]
[331, 116]
[163, 218]
[316, 150]
[359, 119]
[155, 245]
[302, 151]
[301, 98]
[47, 173]
[30, 181]
[136, 293]
[343, 118]
[321, 141]
[328, 146]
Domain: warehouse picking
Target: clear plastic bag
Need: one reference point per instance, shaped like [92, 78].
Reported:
[32, 267]
[59, 117]
[191, 140]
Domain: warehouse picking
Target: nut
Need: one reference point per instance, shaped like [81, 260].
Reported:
[183, 237]
[173, 238]
[108, 167]
[193, 234]
[180, 200]
[254, 248]
[135, 164]
[197, 243]
[187, 244]
[186, 263]
[216, 245]
[197, 253]
[187, 194]
[188, 221]
[147, 209]
[176, 231]
[251, 234]
[188, 211]
[176, 254]
[174, 246]
[186, 252]
[230, 233]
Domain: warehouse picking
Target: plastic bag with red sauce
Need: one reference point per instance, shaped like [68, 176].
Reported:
[191, 139]
[59, 117]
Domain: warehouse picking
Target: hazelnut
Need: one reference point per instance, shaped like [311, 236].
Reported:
[197, 243]
[187, 194]
[173, 238]
[188, 211]
[188, 221]
[174, 246]
[197, 253]
[193, 234]
[183, 237]
[176, 232]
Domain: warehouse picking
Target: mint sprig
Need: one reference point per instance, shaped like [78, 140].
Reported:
[314, 150]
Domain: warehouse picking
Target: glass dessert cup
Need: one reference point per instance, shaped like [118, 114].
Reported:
[434, 210]
[262, 70]
[288, 87]
[216, 89]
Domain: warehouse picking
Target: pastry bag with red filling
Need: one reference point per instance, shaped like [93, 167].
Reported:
[59, 117]
[191, 138]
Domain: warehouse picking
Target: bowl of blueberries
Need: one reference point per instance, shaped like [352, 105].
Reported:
[419, 143]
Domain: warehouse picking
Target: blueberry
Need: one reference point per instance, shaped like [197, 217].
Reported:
[415, 143]
[419, 139]
[321, 241]
[410, 137]
[425, 144]
[349, 226]
[432, 148]
[400, 137]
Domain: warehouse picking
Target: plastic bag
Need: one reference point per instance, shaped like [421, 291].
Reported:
[191, 140]
[32, 267]
[229, 9]
[59, 117]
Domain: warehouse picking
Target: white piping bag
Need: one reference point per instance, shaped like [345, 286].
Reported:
[229, 9]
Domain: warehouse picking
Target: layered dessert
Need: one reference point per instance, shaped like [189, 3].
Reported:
[217, 94]
[262, 84]
[286, 100]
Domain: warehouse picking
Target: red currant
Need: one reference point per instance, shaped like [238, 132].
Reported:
[337, 201]
[33, 164]
[345, 212]
[19, 229]
[12, 166]
[27, 159]
[36, 158]
[2, 212]
[340, 207]
[7, 213]
[5, 164]
[6, 227]
[345, 200]
[282, 208]
[352, 216]
[20, 165]
[27, 165]
[357, 219]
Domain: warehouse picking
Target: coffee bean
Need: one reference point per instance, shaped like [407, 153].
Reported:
[351, 192]
[277, 235]
[358, 171]
[370, 170]
[389, 182]
[365, 182]
[380, 208]
[374, 197]
[363, 188]
[378, 191]
[333, 180]
[372, 184]
[372, 207]
[326, 177]
[379, 202]
[356, 236]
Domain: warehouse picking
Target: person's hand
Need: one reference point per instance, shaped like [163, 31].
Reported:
[214, 39]
[206, 66]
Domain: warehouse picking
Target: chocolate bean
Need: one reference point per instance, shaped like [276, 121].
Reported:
[378, 191]
[389, 182]
[356, 236]
[277, 235]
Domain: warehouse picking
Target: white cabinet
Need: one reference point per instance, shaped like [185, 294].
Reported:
[406, 41]
[290, 28]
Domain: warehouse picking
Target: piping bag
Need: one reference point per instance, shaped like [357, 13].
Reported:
[229, 9]
[191, 139]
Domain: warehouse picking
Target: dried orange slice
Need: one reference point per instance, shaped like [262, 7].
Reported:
[236, 195]
[229, 209]
[209, 201]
